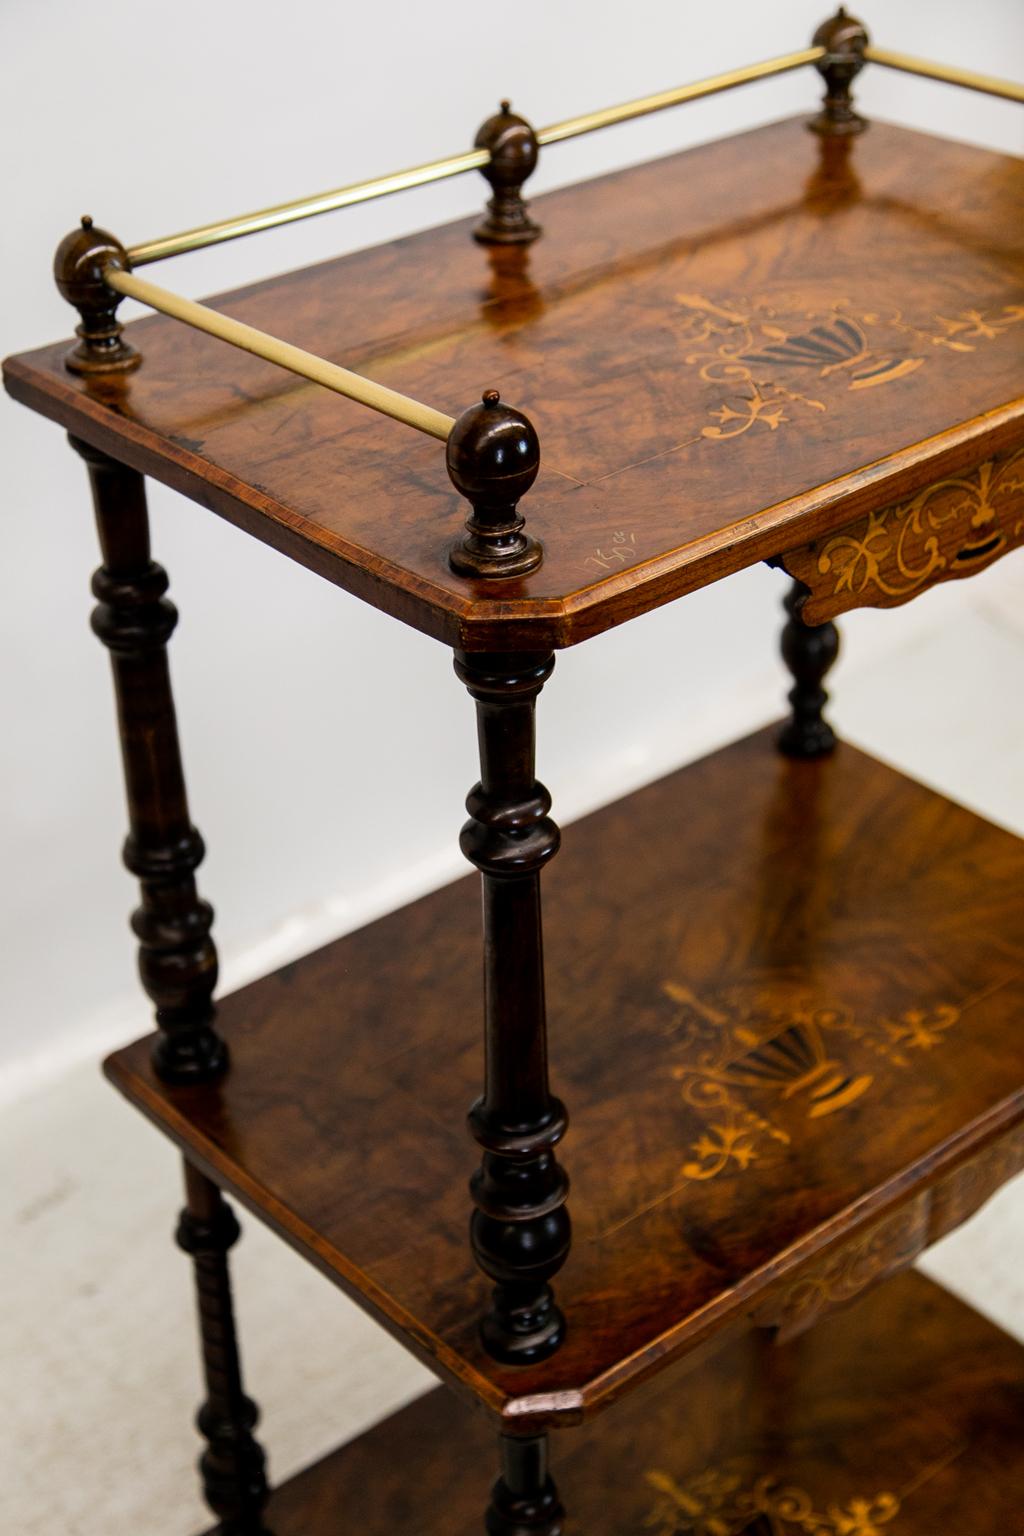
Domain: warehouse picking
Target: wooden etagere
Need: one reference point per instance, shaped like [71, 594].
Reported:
[785, 982]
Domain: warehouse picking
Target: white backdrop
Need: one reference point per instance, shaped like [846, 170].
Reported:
[328, 749]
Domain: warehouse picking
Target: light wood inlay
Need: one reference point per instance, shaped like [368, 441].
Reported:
[953, 528]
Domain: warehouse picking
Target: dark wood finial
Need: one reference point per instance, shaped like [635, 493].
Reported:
[844, 38]
[808, 653]
[78, 268]
[513, 146]
[493, 456]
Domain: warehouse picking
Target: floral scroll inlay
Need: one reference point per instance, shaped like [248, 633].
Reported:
[845, 1273]
[738, 1056]
[779, 358]
[950, 529]
[724, 1503]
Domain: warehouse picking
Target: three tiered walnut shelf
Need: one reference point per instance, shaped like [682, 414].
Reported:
[785, 982]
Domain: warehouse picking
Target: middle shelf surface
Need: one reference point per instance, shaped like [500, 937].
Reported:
[785, 1002]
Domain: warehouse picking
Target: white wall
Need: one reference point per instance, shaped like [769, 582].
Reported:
[328, 749]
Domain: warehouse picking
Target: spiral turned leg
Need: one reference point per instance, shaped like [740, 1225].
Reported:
[520, 1228]
[808, 653]
[524, 1500]
[232, 1466]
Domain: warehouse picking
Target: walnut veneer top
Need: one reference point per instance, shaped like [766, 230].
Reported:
[726, 353]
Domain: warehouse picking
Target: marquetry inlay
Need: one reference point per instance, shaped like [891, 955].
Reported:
[952, 528]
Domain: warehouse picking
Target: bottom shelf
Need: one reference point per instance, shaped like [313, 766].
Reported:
[901, 1416]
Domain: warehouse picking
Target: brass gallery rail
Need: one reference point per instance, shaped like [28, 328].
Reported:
[455, 165]
[1009, 90]
[555, 133]
[377, 396]
[849, 53]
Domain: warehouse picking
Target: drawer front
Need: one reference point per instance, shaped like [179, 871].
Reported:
[884, 1247]
[951, 529]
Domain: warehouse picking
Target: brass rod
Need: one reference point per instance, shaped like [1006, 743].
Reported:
[588, 121]
[454, 165]
[989, 84]
[377, 396]
[305, 207]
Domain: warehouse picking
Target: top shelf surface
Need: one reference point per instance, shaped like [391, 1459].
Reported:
[726, 353]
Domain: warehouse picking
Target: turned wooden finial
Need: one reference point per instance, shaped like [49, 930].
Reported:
[520, 1228]
[513, 146]
[844, 38]
[493, 456]
[78, 268]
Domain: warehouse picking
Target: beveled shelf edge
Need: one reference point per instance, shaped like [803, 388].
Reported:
[487, 616]
[535, 1411]
[263, 1207]
[935, 1173]
[230, 498]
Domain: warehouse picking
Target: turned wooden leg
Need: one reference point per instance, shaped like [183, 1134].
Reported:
[524, 1500]
[808, 653]
[520, 1227]
[232, 1466]
[135, 620]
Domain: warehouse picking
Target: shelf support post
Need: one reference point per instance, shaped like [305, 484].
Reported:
[524, 1500]
[808, 651]
[135, 620]
[520, 1228]
[232, 1466]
